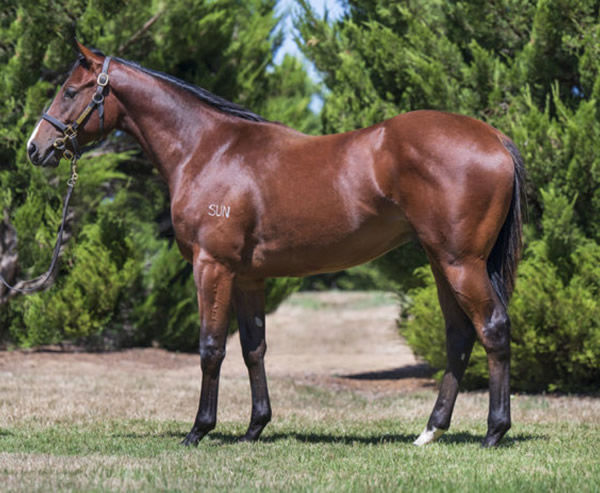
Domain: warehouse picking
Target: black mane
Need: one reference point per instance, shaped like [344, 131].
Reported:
[203, 95]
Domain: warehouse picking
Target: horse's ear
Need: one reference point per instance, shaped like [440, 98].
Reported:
[86, 53]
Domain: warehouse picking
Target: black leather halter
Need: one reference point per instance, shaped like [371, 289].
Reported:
[70, 130]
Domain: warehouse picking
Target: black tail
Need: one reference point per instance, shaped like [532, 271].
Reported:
[506, 253]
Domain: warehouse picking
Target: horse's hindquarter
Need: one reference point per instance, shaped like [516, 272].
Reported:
[453, 178]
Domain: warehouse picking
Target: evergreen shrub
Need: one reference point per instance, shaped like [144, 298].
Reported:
[122, 280]
[531, 69]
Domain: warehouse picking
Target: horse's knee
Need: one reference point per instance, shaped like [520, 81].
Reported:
[496, 334]
[211, 356]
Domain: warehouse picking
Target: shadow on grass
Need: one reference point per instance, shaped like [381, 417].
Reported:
[449, 438]
[220, 438]
[420, 370]
[150, 434]
[508, 441]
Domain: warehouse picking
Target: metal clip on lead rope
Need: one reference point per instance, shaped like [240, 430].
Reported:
[60, 144]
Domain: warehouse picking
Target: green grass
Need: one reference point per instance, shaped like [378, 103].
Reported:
[299, 455]
[114, 422]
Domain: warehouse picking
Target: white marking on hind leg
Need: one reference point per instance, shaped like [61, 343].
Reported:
[428, 436]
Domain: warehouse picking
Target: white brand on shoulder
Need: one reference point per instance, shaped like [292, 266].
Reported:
[219, 210]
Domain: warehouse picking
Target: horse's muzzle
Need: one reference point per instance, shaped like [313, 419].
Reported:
[50, 158]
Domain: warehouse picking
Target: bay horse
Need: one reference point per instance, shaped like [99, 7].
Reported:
[253, 199]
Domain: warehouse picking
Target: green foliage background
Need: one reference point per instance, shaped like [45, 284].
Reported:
[530, 68]
[122, 279]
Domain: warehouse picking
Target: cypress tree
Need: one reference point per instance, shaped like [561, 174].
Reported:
[122, 280]
[530, 68]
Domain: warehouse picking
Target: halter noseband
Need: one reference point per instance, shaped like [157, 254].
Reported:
[70, 130]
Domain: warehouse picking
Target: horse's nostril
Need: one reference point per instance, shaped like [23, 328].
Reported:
[31, 150]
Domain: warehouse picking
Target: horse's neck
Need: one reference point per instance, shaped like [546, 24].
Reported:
[169, 124]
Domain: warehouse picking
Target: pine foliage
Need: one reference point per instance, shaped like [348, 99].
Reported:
[122, 280]
[531, 69]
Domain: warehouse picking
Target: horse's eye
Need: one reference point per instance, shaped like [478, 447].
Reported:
[70, 93]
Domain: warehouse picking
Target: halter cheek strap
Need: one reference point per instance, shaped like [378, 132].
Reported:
[70, 130]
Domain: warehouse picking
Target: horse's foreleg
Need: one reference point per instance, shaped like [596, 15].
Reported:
[460, 336]
[249, 302]
[214, 284]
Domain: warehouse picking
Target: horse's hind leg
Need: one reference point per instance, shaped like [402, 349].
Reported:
[214, 284]
[460, 336]
[470, 284]
[249, 303]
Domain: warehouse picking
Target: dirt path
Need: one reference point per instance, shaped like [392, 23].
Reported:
[333, 339]
[337, 338]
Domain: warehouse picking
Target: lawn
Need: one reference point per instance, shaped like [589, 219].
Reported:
[113, 422]
[337, 440]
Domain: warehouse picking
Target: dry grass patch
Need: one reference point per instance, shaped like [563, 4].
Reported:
[98, 422]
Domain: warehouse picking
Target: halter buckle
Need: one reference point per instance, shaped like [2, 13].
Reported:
[70, 132]
[59, 144]
[98, 98]
[102, 80]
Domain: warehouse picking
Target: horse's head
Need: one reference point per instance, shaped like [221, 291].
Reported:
[77, 114]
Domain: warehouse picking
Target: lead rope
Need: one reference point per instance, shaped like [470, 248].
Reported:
[69, 132]
[41, 280]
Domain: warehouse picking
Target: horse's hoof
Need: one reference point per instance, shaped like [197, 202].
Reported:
[191, 439]
[249, 437]
[495, 433]
[491, 440]
[428, 436]
[253, 432]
